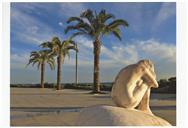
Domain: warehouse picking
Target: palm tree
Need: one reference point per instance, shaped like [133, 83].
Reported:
[40, 58]
[60, 49]
[96, 26]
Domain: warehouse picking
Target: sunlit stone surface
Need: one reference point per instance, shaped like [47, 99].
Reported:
[131, 89]
[117, 116]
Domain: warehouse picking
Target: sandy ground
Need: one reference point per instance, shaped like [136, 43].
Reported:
[47, 107]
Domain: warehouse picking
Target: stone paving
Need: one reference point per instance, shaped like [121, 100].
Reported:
[42, 107]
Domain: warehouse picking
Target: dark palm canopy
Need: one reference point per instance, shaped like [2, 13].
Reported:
[96, 25]
[61, 50]
[40, 58]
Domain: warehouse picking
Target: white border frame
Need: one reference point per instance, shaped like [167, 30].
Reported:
[182, 61]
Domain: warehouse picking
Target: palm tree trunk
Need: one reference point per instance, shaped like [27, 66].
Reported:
[96, 79]
[42, 74]
[59, 72]
[76, 72]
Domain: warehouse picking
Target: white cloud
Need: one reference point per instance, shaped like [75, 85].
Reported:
[62, 9]
[140, 15]
[119, 53]
[166, 11]
[135, 14]
[122, 54]
[85, 54]
[114, 58]
[159, 51]
[19, 58]
[33, 29]
[71, 9]
[27, 38]
[60, 24]
[19, 61]
[28, 29]
[35, 8]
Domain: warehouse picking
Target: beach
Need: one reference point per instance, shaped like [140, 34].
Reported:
[48, 107]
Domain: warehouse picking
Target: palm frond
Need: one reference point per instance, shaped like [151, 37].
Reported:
[65, 44]
[80, 27]
[88, 14]
[38, 66]
[39, 57]
[103, 16]
[117, 23]
[46, 45]
[78, 19]
[72, 48]
[66, 53]
[117, 33]
[56, 41]
[77, 34]
[95, 24]
[51, 63]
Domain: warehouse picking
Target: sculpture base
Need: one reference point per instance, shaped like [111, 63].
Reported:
[117, 116]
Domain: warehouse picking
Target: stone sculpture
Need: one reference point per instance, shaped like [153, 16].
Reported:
[131, 89]
[102, 115]
[132, 86]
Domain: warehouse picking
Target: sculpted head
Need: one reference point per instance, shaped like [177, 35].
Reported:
[146, 64]
[150, 76]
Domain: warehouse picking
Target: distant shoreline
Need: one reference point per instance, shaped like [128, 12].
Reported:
[107, 86]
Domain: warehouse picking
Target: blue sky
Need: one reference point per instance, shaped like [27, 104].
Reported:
[151, 35]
